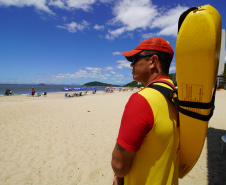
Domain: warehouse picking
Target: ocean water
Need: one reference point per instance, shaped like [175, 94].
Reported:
[26, 88]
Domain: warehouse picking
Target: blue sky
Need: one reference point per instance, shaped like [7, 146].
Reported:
[79, 41]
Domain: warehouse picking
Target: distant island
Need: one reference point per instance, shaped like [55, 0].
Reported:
[134, 84]
[131, 84]
[95, 83]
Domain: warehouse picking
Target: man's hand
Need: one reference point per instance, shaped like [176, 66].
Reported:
[118, 181]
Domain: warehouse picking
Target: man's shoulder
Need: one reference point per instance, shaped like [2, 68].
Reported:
[146, 92]
[136, 95]
[137, 98]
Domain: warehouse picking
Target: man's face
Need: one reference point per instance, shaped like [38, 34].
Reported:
[141, 70]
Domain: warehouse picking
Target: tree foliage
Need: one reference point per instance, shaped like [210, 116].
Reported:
[224, 73]
[134, 84]
[95, 83]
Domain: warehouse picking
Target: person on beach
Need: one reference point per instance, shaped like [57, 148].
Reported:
[32, 91]
[146, 151]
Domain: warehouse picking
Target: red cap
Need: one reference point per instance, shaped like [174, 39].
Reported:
[154, 44]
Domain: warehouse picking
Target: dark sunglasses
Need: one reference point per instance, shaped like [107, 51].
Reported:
[137, 57]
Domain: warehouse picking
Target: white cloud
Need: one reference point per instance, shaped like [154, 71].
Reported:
[43, 5]
[57, 3]
[81, 4]
[73, 26]
[169, 30]
[108, 68]
[94, 69]
[123, 64]
[112, 34]
[95, 72]
[80, 74]
[168, 21]
[105, 1]
[119, 75]
[129, 16]
[106, 75]
[85, 5]
[148, 35]
[116, 53]
[37, 4]
[98, 27]
[172, 68]
[91, 73]
[133, 15]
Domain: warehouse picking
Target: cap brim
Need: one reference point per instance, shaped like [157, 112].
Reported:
[131, 53]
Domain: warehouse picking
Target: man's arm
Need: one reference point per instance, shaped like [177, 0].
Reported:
[121, 160]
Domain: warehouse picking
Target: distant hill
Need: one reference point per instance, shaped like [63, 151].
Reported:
[134, 84]
[95, 83]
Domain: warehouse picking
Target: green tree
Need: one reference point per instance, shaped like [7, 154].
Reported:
[95, 83]
[224, 73]
[172, 76]
[223, 78]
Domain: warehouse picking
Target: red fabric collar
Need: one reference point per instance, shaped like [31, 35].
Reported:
[158, 78]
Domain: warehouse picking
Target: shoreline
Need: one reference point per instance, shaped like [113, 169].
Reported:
[89, 92]
[50, 91]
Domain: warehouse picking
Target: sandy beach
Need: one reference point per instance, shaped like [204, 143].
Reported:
[54, 140]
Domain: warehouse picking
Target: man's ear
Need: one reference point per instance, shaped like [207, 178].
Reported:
[155, 61]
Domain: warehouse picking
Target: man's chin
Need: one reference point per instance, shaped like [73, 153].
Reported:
[135, 79]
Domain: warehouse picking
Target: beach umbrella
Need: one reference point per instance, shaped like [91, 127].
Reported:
[93, 88]
[67, 89]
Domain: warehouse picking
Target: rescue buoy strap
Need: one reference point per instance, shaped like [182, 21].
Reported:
[184, 15]
[170, 94]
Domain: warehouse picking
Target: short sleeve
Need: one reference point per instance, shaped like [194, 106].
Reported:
[137, 121]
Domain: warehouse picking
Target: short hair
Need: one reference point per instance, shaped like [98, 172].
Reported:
[164, 59]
